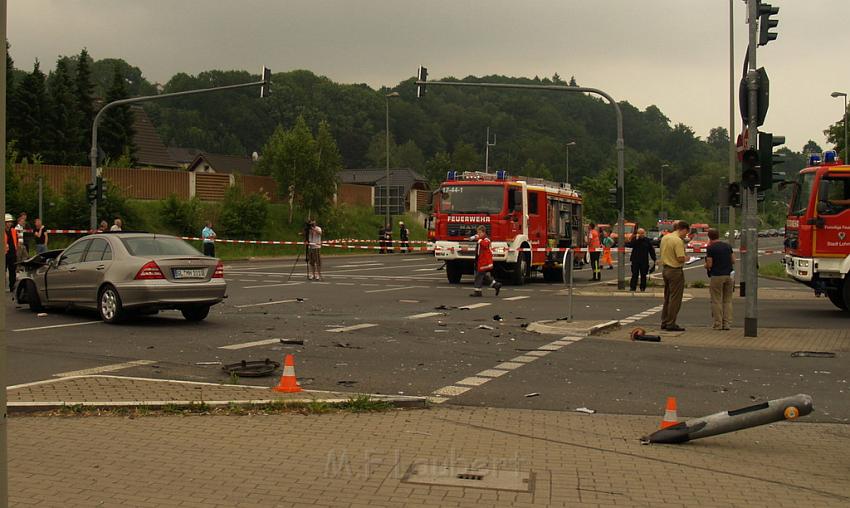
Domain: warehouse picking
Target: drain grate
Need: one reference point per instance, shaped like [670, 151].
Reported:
[495, 479]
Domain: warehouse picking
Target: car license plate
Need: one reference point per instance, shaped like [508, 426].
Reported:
[190, 273]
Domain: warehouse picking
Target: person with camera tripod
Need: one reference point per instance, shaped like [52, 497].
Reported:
[313, 240]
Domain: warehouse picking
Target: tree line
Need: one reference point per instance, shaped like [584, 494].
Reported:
[311, 127]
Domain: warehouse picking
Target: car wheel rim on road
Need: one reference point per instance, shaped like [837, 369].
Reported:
[108, 304]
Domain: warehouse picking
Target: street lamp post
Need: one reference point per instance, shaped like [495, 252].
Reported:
[661, 212]
[567, 179]
[846, 149]
[387, 184]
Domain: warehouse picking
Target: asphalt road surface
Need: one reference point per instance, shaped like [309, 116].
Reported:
[392, 324]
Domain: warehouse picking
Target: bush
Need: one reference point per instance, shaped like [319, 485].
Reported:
[243, 216]
[181, 216]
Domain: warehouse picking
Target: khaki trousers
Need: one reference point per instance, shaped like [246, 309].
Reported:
[721, 288]
[674, 289]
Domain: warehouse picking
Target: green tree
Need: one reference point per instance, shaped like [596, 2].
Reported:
[63, 127]
[811, 147]
[84, 90]
[377, 152]
[408, 155]
[835, 136]
[437, 167]
[718, 137]
[29, 112]
[10, 71]
[317, 192]
[243, 215]
[115, 133]
[182, 216]
[465, 158]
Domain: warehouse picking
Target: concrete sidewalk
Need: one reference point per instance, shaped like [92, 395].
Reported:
[769, 339]
[120, 391]
[360, 460]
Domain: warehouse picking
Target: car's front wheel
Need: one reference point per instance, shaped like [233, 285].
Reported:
[196, 313]
[109, 305]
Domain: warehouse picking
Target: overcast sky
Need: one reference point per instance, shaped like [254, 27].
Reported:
[671, 53]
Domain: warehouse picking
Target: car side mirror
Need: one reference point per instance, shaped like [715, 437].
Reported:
[823, 207]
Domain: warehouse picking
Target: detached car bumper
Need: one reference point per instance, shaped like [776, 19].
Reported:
[164, 294]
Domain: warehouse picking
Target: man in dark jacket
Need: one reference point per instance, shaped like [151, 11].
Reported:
[642, 250]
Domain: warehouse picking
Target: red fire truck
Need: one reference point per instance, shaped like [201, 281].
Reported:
[817, 229]
[518, 212]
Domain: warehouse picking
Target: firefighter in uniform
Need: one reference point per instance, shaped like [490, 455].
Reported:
[483, 263]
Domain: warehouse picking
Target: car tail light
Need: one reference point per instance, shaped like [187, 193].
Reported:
[150, 271]
[219, 271]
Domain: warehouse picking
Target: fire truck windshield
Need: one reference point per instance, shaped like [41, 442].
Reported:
[802, 193]
[487, 199]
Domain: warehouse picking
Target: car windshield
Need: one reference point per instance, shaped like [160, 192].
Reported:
[802, 193]
[472, 199]
[155, 246]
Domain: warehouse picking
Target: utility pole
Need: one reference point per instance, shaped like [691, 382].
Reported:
[567, 178]
[487, 145]
[264, 92]
[732, 147]
[750, 200]
[387, 176]
[4, 471]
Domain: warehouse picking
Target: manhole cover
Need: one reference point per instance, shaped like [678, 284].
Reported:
[495, 479]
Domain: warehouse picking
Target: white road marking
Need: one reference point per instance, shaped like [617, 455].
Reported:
[492, 373]
[105, 368]
[344, 283]
[549, 347]
[393, 289]
[359, 265]
[425, 315]
[56, 326]
[509, 365]
[425, 269]
[474, 306]
[265, 303]
[514, 298]
[351, 328]
[524, 359]
[539, 353]
[474, 381]
[452, 391]
[274, 285]
[244, 345]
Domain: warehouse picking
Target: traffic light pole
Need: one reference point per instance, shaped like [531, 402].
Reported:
[621, 223]
[750, 201]
[133, 100]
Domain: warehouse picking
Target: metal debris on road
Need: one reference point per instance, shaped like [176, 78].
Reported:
[640, 334]
[296, 342]
[346, 382]
[484, 327]
[812, 354]
[346, 345]
[497, 318]
[585, 410]
[532, 394]
[41, 314]
[207, 363]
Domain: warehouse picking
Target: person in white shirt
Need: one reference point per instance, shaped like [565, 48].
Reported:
[314, 246]
[20, 229]
[117, 225]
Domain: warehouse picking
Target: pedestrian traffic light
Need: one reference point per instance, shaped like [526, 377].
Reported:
[734, 194]
[91, 192]
[265, 90]
[421, 78]
[762, 97]
[769, 159]
[766, 24]
[612, 196]
[750, 168]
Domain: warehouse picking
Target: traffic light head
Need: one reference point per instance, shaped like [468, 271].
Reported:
[734, 194]
[421, 78]
[766, 23]
[265, 90]
[769, 159]
[91, 192]
[750, 168]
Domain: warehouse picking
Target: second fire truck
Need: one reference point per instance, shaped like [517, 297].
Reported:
[522, 215]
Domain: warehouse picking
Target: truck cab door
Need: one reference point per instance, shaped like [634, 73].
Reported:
[832, 233]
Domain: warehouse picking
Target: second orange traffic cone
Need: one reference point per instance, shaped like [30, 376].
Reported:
[670, 416]
[288, 383]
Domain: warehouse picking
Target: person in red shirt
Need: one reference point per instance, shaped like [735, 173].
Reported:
[593, 245]
[483, 263]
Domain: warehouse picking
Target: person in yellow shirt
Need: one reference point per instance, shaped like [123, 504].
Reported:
[673, 259]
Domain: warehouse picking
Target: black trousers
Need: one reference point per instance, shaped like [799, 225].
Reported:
[594, 265]
[639, 270]
[209, 249]
[11, 259]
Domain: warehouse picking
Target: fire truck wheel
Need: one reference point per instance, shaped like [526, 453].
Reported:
[454, 272]
[837, 298]
[520, 269]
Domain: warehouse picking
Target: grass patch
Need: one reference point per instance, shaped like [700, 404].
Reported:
[773, 269]
[364, 404]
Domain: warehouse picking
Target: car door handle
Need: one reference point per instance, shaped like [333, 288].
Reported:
[100, 267]
[74, 269]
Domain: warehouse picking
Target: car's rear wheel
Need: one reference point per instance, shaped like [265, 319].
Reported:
[196, 312]
[109, 305]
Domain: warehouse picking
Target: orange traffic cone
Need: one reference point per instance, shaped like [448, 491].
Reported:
[670, 416]
[288, 383]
